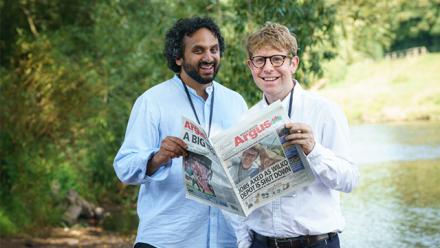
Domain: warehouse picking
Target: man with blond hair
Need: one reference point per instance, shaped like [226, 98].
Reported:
[310, 217]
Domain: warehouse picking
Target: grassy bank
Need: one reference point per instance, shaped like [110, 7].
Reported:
[405, 89]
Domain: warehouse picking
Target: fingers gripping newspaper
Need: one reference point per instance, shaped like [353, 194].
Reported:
[246, 166]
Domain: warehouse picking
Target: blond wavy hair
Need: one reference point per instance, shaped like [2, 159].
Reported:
[273, 35]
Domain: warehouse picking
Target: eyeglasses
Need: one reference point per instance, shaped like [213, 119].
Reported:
[275, 60]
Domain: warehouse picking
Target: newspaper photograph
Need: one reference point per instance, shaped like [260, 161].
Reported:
[204, 176]
[259, 162]
[245, 167]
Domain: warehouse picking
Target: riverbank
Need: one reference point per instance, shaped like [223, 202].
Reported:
[70, 237]
[389, 90]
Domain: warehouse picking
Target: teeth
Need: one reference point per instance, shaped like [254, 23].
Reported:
[270, 78]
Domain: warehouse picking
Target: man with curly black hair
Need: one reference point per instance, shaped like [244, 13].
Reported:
[175, 50]
[150, 155]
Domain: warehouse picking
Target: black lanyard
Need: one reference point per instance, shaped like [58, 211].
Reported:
[194, 110]
[289, 113]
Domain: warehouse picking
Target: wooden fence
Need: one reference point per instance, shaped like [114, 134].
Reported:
[411, 52]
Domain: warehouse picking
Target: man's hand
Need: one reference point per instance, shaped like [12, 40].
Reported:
[301, 134]
[170, 147]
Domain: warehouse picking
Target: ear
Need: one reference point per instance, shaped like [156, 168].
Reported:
[179, 61]
[249, 64]
[294, 62]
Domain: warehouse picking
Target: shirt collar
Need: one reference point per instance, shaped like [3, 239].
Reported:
[192, 91]
[296, 93]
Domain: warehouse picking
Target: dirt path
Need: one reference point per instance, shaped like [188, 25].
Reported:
[71, 237]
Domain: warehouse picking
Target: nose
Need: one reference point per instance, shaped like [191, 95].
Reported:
[268, 65]
[207, 56]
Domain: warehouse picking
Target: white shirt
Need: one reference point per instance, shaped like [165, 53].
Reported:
[314, 209]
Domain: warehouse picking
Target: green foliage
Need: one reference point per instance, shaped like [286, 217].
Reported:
[367, 25]
[71, 70]
[311, 21]
[6, 224]
[373, 28]
[417, 23]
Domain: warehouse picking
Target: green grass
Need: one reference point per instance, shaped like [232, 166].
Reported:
[404, 89]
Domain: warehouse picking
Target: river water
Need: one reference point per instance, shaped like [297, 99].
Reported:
[397, 203]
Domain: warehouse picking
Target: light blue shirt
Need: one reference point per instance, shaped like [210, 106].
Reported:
[166, 217]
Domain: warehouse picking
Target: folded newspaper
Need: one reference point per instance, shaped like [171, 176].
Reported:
[246, 166]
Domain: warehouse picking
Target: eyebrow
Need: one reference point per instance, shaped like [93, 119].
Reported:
[205, 47]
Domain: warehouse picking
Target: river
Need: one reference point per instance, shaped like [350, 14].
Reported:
[397, 203]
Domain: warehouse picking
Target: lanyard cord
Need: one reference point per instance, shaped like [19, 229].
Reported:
[194, 110]
[289, 113]
[290, 102]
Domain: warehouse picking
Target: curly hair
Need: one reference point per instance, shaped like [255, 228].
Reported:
[174, 46]
[273, 35]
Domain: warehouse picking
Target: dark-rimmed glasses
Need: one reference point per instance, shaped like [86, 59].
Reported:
[275, 60]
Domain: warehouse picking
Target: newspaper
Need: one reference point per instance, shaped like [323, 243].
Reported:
[245, 167]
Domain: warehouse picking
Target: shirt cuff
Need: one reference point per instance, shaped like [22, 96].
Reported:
[316, 152]
[160, 174]
[244, 244]
[319, 157]
[315, 157]
[244, 237]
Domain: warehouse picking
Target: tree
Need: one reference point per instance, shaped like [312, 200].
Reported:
[311, 21]
[417, 23]
[71, 70]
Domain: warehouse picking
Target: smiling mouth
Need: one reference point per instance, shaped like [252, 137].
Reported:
[207, 67]
[269, 78]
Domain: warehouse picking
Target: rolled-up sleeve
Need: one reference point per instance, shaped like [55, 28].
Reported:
[141, 142]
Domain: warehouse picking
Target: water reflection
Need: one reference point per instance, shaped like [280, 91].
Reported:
[374, 143]
[397, 203]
